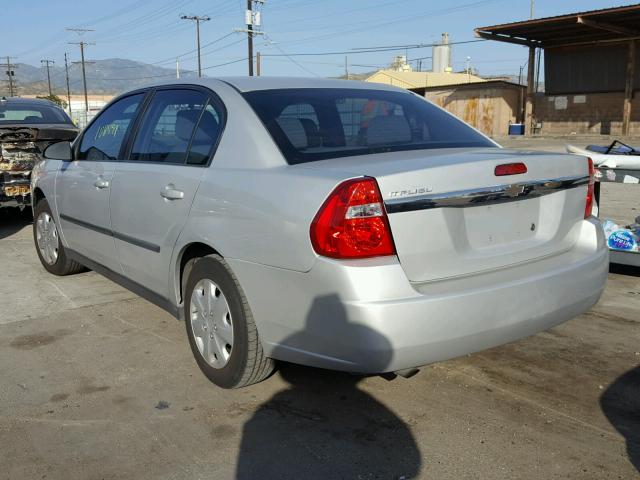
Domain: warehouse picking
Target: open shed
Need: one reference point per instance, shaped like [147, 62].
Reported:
[591, 69]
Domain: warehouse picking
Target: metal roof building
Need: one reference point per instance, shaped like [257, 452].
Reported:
[592, 52]
[413, 79]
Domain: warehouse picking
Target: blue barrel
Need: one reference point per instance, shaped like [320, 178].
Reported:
[516, 129]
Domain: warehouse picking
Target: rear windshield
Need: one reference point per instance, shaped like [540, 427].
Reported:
[31, 113]
[311, 124]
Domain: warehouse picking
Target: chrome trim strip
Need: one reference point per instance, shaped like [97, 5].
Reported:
[485, 196]
[90, 226]
[105, 231]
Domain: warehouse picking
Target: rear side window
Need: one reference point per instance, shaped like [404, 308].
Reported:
[320, 123]
[172, 119]
[103, 138]
[205, 136]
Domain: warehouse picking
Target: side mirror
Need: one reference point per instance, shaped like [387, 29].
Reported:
[58, 151]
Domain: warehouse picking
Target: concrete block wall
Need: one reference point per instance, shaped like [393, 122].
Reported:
[594, 113]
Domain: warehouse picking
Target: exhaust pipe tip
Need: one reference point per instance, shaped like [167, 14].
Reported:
[406, 373]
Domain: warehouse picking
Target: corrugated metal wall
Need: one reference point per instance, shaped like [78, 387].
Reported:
[586, 70]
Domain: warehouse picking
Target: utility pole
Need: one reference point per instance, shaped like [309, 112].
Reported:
[10, 73]
[178, 67]
[82, 44]
[197, 19]
[533, 5]
[249, 22]
[48, 62]
[252, 20]
[468, 69]
[66, 71]
[84, 73]
[258, 64]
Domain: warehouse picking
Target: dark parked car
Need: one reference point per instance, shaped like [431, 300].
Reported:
[27, 127]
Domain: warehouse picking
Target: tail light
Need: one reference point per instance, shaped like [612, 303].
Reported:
[592, 179]
[352, 222]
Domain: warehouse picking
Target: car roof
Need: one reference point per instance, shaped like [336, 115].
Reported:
[249, 84]
[26, 101]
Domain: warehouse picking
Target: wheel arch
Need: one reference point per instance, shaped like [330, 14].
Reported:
[184, 262]
[36, 196]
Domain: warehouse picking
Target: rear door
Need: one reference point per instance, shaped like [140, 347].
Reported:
[153, 189]
[83, 185]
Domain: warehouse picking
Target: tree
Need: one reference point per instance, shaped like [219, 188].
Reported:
[55, 99]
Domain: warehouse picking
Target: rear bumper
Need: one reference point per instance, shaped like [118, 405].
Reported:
[365, 316]
[15, 189]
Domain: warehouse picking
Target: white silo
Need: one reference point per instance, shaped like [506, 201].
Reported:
[442, 55]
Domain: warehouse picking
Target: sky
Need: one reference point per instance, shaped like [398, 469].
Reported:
[152, 32]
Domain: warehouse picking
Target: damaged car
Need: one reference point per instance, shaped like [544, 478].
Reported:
[27, 127]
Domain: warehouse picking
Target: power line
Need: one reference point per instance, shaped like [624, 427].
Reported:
[292, 59]
[368, 26]
[147, 18]
[226, 63]
[371, 50]
[342, 13]
[123, 11]
[416, 45]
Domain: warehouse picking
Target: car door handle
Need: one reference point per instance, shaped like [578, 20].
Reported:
[171, 193]
[100, 183]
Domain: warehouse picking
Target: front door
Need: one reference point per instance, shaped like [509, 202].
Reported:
[83, 186]
[154, 188]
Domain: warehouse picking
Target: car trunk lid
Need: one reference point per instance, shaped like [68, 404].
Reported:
[451, 216]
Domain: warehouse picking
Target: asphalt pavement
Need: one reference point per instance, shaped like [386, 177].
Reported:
[96, 383]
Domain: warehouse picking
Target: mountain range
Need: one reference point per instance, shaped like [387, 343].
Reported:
[108, 76]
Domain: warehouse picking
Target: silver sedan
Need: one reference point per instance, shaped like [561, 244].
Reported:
[335, 224]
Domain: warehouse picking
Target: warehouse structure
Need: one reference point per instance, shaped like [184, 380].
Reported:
[490, 106]
[591, 70]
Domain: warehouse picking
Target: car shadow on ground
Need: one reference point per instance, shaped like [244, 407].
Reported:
[322, 425]
[13, 220]
[621, 405]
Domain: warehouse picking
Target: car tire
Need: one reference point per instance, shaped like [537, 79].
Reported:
[220, 327]
[51, 252]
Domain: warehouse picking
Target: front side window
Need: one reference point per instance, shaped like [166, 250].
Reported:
[103, 138]
[168, 125]
[311, 124]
